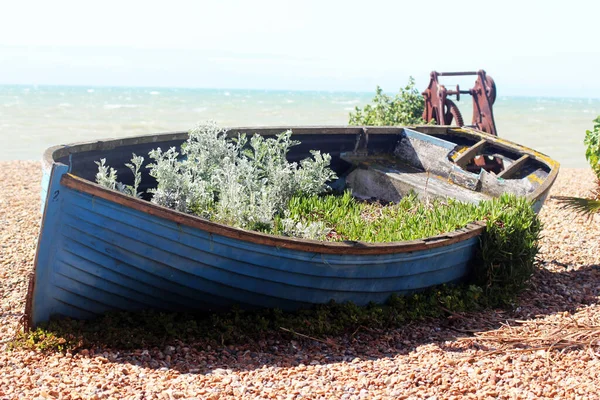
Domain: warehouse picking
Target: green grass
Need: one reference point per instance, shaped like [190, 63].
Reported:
[409, 219]
[507, 248]
[504, 263]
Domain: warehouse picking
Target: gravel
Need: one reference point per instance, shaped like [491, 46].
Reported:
[497, 353]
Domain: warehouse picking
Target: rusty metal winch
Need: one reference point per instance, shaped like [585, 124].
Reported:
[443, 111]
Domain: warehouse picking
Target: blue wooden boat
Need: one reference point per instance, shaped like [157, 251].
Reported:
[100, 250]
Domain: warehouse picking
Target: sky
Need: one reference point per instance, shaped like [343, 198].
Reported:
[536, 48]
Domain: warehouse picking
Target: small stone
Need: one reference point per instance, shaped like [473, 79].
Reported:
[221, 371]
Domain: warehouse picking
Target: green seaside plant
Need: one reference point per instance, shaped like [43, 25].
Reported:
[508, 245]
[107, 176]
[405, 108]
[592, 143]
[588, 206]
[243, 182]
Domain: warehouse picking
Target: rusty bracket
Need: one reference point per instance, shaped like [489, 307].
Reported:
[442, 110]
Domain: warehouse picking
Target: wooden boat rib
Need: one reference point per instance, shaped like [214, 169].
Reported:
[100, 250]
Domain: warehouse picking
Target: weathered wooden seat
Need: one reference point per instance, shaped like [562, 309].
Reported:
[431, 167]
[384, 178]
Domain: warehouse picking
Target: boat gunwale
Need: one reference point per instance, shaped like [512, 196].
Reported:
[313, 246]
[552, 164]
[347, 247]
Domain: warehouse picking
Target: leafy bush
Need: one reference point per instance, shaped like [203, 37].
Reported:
[406, 108]
[592, 151]
[507, 248]
[240, 182]
[107, 176]
[355, 220]
[588, 206]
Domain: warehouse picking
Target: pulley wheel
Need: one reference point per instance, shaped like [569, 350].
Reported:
[452, 110]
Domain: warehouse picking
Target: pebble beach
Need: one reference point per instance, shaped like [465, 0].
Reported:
[548, 346]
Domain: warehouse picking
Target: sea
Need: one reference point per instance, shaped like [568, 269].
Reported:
[33, 118]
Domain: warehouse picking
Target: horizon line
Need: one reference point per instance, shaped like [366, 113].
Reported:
[89, 86]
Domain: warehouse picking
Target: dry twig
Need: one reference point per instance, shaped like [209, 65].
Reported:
[579, 331]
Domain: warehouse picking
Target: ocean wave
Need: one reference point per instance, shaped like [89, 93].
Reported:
[355, 101]
[200, 109]
[90, 90]
[154, 92]
[116, 106]
[65, 105]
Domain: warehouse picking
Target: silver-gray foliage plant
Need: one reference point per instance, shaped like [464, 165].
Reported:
[107, 176]
[316, 230]
[238, 181]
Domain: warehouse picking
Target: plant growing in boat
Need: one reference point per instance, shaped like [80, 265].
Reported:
[107, 176]
[405, 108]
[239, 181]
[508, 246]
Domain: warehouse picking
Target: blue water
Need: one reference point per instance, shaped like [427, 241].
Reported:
[33, 118]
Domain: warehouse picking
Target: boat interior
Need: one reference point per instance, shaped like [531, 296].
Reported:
[385, 163]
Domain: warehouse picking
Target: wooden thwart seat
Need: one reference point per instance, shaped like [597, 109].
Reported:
[514, 167]
[377, 177]
[470, 153]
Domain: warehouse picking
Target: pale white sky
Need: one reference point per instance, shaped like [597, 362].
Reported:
[529, 47]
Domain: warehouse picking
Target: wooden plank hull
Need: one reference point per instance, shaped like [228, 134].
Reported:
[100, 251]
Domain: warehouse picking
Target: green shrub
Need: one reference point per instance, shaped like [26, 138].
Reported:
[592, 151]
[581, 205]
[356, 220]
[240, 182]
[405, 108]
[507, 248]
[107, 176]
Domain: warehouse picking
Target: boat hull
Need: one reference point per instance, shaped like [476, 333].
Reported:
[101, 251]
